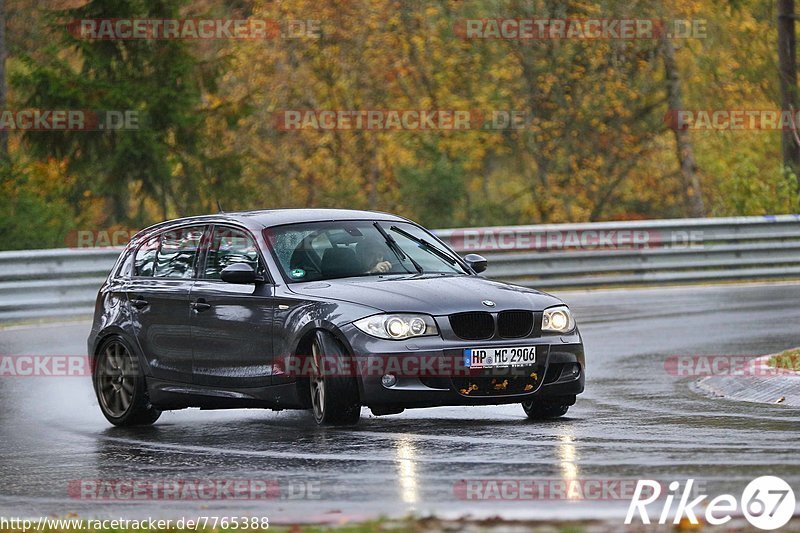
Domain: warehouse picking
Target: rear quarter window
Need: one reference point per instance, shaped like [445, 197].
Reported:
[144, 264]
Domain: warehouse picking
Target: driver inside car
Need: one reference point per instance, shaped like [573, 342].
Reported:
[372, 258]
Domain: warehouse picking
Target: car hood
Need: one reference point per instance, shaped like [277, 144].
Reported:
[435, 295]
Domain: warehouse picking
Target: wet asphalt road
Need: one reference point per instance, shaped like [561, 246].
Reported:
[634, 420]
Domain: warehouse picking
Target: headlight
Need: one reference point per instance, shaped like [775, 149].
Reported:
[397, 326]
[558, 319]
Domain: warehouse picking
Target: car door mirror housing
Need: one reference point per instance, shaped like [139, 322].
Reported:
[240, 273]
[476, 262]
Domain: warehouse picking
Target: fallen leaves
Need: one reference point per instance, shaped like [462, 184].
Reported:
[501, 386]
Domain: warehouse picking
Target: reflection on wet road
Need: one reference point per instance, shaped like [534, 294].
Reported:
[635, 420]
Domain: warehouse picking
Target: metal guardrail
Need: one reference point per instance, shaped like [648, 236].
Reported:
[44, 283]
[637, 252]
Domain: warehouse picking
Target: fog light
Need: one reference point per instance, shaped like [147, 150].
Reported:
[388, 380]
[569, 371]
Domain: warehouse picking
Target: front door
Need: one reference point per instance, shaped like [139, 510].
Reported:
[231, 323]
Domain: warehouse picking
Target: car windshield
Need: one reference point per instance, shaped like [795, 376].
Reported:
[342, 249]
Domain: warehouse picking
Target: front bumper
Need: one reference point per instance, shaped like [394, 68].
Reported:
[559, 371]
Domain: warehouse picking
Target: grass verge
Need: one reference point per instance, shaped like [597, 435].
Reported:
[786, 360]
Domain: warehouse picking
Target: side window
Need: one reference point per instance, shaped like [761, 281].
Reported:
[229, 246]
[146, 257]
[177, 251]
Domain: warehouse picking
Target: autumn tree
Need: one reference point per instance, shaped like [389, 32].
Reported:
[152, 170]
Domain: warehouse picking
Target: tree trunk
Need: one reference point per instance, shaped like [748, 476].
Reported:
[688, 167]
[787, 71]
[3, 97]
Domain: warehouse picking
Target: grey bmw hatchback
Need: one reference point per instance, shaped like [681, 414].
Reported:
[321, 309]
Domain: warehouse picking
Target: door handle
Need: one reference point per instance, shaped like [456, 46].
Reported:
[139, 303]
[200, 305]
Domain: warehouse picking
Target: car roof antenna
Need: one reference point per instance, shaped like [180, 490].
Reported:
[219, 206]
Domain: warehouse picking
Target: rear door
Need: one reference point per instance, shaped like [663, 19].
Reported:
[231, 323]
[158, 293]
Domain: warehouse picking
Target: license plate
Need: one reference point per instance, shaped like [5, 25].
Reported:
[494, 357]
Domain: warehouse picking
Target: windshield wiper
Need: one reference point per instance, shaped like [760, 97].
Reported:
[425, 244]
[396, 248]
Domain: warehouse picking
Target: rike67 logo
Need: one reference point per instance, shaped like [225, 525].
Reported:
[767, 502]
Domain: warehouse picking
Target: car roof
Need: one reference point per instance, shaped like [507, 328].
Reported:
[277, 217]
[264, 218]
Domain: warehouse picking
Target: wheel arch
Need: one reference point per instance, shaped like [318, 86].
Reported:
[306, 335]
[303, 347]
[115, 331]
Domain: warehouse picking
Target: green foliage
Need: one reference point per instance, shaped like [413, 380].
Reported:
[33, 216]
[436, 191]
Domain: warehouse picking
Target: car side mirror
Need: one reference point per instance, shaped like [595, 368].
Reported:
[241, 273]
[476, 262]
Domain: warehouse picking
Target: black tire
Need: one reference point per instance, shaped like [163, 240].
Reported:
[120, 385]
[334, 399]
[547, 409]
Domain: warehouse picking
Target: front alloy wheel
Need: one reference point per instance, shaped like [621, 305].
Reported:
[334, 399]
[120, 386]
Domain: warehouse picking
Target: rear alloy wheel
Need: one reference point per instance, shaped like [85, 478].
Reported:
[334, 399]
[537, 410]
[120, 386]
